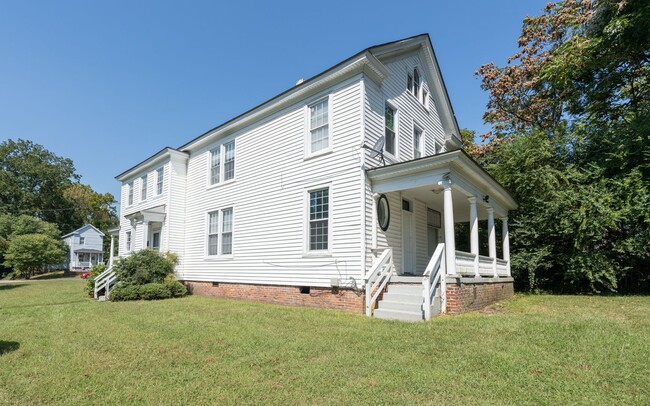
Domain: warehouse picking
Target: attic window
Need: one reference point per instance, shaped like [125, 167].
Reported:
[415, 86]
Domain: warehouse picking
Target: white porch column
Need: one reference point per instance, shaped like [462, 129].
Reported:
[450, 242]
[473, 227]
[506, 242]
[492, 241]
[110, 253]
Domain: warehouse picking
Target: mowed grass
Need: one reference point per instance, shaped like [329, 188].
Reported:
[59, 347]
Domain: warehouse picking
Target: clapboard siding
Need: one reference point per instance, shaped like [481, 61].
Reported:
[409, 111]
[268, 196]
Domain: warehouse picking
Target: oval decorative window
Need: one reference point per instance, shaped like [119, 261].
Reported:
[383, 212]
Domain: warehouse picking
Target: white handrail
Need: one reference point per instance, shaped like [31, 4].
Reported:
[104, 280]
[377, 278]
[434, 275]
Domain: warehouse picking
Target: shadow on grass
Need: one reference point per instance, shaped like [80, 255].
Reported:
[8, 346]
[8, 286]
[51, 275]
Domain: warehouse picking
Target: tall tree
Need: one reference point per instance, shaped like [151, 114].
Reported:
[571, 138]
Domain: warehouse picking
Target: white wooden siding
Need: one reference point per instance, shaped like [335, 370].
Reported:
[409, 111]
[267, 196]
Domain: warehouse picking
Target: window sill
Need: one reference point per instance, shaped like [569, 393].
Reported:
[320, 153]
[217, 258]
[217, 185]
[317, 254]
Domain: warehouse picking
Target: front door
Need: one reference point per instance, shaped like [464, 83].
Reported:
[408, 238]
[156, 240]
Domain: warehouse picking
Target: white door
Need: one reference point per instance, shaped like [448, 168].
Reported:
[408, 238]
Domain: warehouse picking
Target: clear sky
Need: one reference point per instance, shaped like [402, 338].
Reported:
[109, 83]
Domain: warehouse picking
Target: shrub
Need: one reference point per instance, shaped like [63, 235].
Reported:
[146, 266]
[123, 292]
[153, 291]
[177, 289]
[90, 280]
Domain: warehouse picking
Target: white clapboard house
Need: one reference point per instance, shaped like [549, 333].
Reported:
[341, 192]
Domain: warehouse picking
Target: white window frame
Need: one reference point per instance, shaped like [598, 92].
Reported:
[308, 152]
[422, 149]
[144, 184]
[160, 180]
[221, 150]
[220, 232]
[129, 193]
[307, 221]
[395, 129]
[128, 241]
[82, 240]
[421, 94]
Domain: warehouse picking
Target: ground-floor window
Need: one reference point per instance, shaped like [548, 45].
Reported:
[433, 230]
[319, 214]
[220, 232]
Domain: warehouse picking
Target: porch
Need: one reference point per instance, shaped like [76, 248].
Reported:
[85, 258]
[421, 208]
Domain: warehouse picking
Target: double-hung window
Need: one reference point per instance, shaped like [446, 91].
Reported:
[220, 232]
[128, 241]
[418, 142]
[82, 240]
[389, 124]
[222, 163]
[319, 134]
[319, 215]
[129, 187]
[143, 188]
[160, 178]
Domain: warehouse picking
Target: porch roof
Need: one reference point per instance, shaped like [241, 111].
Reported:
[428, 172]
[88, 251]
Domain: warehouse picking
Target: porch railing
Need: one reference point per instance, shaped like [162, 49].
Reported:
[377, 278]
[502, 267]
[104, 281]
[434, 277]
[465, 263]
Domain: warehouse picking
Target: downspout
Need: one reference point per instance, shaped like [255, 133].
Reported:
[363, 180]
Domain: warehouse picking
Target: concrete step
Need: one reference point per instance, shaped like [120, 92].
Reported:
[398, 315]
[407, 307]
[101, 298]
[403, 298]
[415, 289]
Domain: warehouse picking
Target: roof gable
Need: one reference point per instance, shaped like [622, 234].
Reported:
[82, 229]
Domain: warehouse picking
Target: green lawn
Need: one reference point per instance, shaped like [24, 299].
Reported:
[59, 347]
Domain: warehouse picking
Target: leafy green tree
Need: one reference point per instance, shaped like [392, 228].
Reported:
[28, 253]
[571, 120]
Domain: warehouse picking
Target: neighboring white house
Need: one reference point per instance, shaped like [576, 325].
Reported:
[344, 184]
[85, 247]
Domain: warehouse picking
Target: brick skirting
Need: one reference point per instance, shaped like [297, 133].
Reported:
[474, 294]
[328, 298]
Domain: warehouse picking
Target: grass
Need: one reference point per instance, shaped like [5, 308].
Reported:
[59, 347]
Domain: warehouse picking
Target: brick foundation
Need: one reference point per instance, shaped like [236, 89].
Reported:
[466, 295]
[341, 299]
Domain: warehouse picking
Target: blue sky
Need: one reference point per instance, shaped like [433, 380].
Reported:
[108, 83]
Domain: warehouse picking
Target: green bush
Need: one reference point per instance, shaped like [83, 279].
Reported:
[146, 266]
[90, 280]
[123, 292]
[153, 291]
[177, 289]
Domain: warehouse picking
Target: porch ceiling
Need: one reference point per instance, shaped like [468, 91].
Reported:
[422, 179]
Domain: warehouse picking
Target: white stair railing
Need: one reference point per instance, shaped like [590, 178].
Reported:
[377, 278]
[434, 275]
[105, 280]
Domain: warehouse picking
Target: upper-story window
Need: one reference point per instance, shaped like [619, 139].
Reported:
[389, 124]
[82, 240]
[129, 187]
[160, 179]
[415, 86]
[143, 188]
[418, 142]
[222, 163]
[319, 134]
